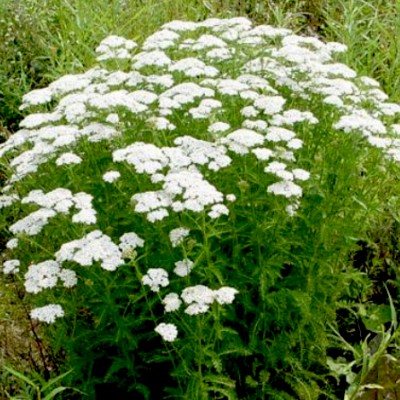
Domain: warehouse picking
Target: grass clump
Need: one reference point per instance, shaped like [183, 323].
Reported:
[189, 208]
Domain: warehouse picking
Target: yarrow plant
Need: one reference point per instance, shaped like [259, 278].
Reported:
[178, 188]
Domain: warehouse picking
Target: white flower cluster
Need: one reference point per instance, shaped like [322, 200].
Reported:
[129, 241]
[11, 266]
[168, 332]
[241, 140]
[8, 200]
[94, 247]
[48, 313]
[12, 243]
[68, 158]
[178, 235]
[180, 95]
[115, 47]
[198, 299]
[183, 267]
[193, 67]
[58, 201]
[111, 176]
[184, 189]
[171, 302]
[156, 278]
[46, 274]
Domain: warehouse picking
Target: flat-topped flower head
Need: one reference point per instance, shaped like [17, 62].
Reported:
[93, 247]
[48, 313]
[156, 278]
[11, 266]
[177, 236]
[171, 302]
[168, 332]
[183, 268]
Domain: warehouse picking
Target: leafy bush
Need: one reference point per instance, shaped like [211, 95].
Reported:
[188, 209]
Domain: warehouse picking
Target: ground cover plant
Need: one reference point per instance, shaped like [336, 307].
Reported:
[191, 205]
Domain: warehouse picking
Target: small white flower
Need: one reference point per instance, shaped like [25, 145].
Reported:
[157, 215]
[249, 112]
[112, 118]
[156, 278]
[7, 200]
[129, 241]
[217, 210]
[184, 267]
[47, 313]
[12, 243]
[95, 246]
[68, 158]
[36, 97]
[198, 294]
[218, 127]
[177, 235]
[86, 216]
[111, 176]
[225, 295]
[68, 277]
[193, 67]
[168, 332]
[295, 144]
[275, 167]
[360, 121]
[35, 120]
[257, 125]
[42, 276]
[11, 266]
[301, 174]
[333, 100]
[291, 209]
[33, 223]
[171, 302]
[156, 58]
[161, 123]
[220, 54]
[230, 197]
[262, 154]
[285, 188]
[367, 81]
[277, 134]
[249, 95]
[197, 308]
[270, 104]
[241, 140]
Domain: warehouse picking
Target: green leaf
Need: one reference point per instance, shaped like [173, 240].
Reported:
[221, 380]
[54, 380]
[54, 392]
[228, 394]
[376, 316]
[21, 376]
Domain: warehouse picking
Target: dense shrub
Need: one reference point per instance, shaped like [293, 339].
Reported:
[188, 209]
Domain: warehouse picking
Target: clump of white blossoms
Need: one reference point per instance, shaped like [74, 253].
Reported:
[156, 278]
[48, 313]
[178, 235]
[193, 101]
[169, 332]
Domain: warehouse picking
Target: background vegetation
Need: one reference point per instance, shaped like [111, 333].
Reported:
[41, 41]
